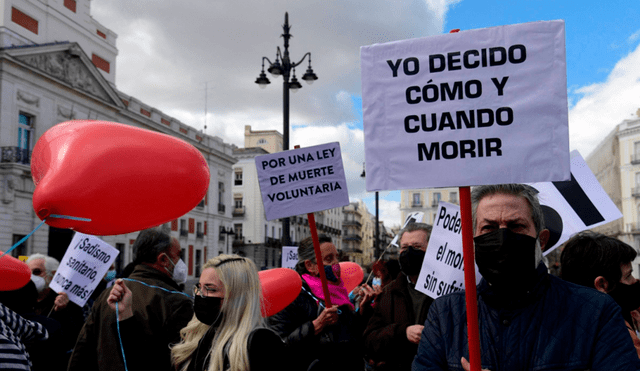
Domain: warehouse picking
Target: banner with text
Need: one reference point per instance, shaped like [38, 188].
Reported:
[477, 107]
[302, 181]
[289, 256]
[86, 261]
[443, 269]
[576, 205]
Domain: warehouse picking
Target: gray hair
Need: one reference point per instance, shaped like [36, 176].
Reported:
[306, 252]
[50, 264]
[412, 227]
[151, 243]
[519, 190]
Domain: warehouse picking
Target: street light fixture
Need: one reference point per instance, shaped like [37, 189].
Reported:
[377, 243]
[284, 66]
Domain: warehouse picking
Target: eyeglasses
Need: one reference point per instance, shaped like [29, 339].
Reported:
[203, 291]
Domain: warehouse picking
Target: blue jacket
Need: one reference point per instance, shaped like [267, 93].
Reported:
[554, 326]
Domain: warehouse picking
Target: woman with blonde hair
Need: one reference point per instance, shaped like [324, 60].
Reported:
[227, 331]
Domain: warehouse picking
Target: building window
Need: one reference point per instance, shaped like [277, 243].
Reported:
[238, 178]
[238, 230]
[453, 197]
[436, 199]
[262, 141]
[198, 262]
[24, 20]
[183, 227]
[416, 200]
[238, 203]
[25, 125]
[221, 197]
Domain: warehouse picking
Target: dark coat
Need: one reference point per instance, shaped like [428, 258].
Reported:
[556, 325]
[385, 337]
[160, 314]
[337, 347]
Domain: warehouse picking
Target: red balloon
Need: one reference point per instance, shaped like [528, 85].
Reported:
[14, 274]
[280, 286]
[123, 178]
[351, 274]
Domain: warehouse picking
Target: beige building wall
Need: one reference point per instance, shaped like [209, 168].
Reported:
[616, 164]
[426, 201]
[269, 140]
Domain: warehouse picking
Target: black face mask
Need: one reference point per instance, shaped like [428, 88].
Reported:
[411, 261]
[627, 296]
[330, 274]
[207, 309]
[506, 259]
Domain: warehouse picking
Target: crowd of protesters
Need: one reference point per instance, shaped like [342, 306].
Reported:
[528, 319]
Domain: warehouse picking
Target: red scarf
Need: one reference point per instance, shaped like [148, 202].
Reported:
[337, 291]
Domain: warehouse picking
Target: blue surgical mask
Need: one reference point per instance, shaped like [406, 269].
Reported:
[376, 281]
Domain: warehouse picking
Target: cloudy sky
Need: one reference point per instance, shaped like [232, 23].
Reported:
[185, 57]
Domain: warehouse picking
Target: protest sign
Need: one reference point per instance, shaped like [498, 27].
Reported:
[302, 181]
[442, 268]
[576, 205]
[289, 256]
[477, 107]
[86, 261]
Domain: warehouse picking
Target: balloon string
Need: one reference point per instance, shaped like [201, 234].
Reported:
[124, 360]
[40, 225]
[118, 322]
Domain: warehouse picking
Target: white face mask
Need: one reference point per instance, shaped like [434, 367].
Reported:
[179, 271]
[40, 283]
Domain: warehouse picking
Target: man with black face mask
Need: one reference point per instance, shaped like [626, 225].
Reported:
[604, 263]
[393, 332]
[528, 319]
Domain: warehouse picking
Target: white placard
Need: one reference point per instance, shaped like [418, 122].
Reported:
[443, 265]
[302, 181]
[576, 205]
[289, 256]
[485, 106]
[86, 261]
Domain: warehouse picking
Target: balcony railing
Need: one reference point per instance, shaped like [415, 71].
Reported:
[16, 155]
[199, 235]
[238, 211]
[184, 233]
[352, 237]
[271, 242]
[351, 222]
[416, 204]
[238, 241]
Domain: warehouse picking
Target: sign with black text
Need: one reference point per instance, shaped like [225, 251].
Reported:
[289, 256]
[85, 262]
[442, 268]
[476, 107]
[302, 181]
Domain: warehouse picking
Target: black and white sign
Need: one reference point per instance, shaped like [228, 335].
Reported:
[483, 106]
[302, 181]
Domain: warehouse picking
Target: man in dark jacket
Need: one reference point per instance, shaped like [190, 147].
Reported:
[528, 319]
[392, 335]
[161, 314]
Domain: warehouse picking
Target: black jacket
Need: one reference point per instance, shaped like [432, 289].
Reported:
[160, 314]
[337, 347]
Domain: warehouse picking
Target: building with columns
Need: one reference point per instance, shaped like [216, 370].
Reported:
[57, 64]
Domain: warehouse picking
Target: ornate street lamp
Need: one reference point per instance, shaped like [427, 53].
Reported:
[283, 66]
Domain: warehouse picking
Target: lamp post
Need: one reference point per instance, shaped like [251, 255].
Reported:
[377, 243]
[284, 66]
[228, 232]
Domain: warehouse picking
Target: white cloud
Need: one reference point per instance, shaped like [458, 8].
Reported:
[605, 105]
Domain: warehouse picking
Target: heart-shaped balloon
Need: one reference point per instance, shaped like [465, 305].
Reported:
[280, 286]
[121, 177]
[14, 274]
[351, 274]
